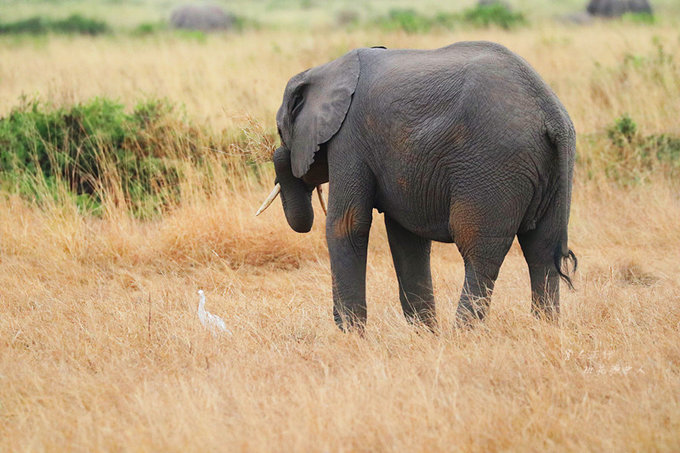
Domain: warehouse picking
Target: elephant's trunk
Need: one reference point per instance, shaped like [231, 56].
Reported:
[296, 195]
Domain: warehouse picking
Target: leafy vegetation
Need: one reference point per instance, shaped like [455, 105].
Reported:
[634, 156]
[149, 28]
[640, 18]
[96, 148]
[495, 14]
[410, 21]
[73, 24]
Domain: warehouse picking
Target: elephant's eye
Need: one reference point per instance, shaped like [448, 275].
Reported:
[298, 102]
[278, 129]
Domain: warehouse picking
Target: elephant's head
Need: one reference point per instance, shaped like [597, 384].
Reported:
[314, 107]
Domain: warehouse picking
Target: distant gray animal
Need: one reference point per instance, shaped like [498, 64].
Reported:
[616, 8]
[201, 17]
[493, 2]
[463, 144]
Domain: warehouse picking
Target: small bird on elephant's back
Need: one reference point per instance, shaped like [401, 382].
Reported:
[465, 144]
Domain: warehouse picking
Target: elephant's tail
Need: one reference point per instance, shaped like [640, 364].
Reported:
[565, 144]
[561, 259]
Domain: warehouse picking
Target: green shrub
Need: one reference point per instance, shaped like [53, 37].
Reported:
[32, 25]
[242, 23]
[496, 14]
[664, 148]
[191, 35]
[446, 20]
[77, 24]
[640, 18]
[623, 131]
[74, 24]
[96, 148]
[407, 20]
[149, 28]
[411, 21]
[634, 156]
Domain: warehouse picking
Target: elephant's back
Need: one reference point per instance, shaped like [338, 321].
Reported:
[465, 58]
[476, 72]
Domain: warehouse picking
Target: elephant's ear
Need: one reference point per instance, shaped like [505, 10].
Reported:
[315, 104]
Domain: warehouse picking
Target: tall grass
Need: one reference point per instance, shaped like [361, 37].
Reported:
[101, 349]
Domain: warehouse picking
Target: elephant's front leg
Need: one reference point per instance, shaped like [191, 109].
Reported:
[411, 256]
[347, 229]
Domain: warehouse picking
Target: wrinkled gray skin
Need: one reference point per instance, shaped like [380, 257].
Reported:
[462, 144]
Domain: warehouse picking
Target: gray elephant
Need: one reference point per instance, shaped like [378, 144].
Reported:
[202, 17]
[465, 144]
[616, 8]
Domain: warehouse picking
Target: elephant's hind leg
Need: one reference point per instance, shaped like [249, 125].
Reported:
[411, 256]
[538, 246]
[483, 257]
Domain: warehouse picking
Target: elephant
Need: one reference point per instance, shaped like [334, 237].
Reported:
[203, 17]
[616, 8]
[465, 144]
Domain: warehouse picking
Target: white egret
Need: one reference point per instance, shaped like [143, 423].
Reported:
[210, 321]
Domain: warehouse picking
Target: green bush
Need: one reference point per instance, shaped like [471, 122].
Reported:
[33, 26]
[74, 24]
[666, 148]
[407, 20]
[411, 21]
[623, 131]
[640, 18]
[77, 24]
[447, 21]
[496, 14]
[191, 35]
[96, 148]
[634, 156]
[149, 28]
[242, 23]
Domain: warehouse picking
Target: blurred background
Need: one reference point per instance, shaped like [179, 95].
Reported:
[148, 15]
[135, 145]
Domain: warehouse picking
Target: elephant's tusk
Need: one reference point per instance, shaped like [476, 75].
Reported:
[319, 192]
[270, 198]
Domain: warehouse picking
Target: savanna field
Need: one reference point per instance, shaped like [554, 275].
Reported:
[131, 168]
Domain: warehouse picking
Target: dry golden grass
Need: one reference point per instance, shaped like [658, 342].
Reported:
[101, 348]
[229, 78]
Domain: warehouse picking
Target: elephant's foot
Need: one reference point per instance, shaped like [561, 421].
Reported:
[350, 320]
[471, 310]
